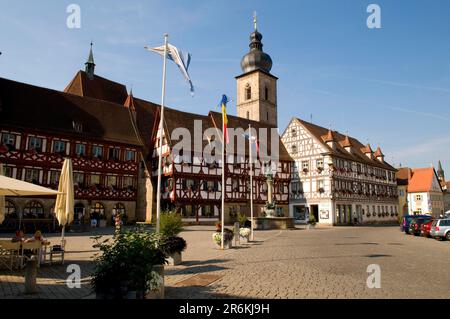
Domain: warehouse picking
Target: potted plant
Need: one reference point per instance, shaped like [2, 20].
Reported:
[311, 221]
[127, 266]
[227, 237]
[171, 225]
[173, 246]
[245, 232]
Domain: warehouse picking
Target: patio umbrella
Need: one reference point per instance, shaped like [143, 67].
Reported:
[14, 187]
[64, 205]
[2, 200]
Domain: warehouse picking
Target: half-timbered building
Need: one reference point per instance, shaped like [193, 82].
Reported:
[337, 179]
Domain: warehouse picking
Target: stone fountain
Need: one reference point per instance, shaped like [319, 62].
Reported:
[271, 220]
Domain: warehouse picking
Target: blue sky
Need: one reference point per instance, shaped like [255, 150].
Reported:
[389, 86]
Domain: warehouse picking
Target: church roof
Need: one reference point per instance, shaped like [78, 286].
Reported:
[48, 111]
[97, 88]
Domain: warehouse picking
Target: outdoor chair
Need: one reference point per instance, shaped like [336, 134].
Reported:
[35, 248]
[9, 253]
[57, 250]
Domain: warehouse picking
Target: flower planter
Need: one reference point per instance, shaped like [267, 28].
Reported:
[174, 259]
[157, 292]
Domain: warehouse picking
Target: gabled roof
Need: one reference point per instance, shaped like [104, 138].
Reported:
[378, 153]
[358, 148]
[346, 142]
[422, 180]
[329, 137]
[97, 88]
[48, 111]
[129, 102]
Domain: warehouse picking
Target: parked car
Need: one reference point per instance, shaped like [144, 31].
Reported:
[440, 229]
[416, 223]
[425, 229]
[404, 226]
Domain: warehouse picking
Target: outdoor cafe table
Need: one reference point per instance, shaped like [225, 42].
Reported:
[42, 254]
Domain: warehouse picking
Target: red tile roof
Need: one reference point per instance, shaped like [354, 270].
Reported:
[97, 88]
[378, 152]
[48, 111]
[421, 180]
[403, 176]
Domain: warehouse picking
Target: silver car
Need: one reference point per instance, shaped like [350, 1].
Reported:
[440, 229]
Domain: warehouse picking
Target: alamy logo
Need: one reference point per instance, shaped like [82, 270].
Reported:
[374, 19]
[74, 279]
[74, 19]
[374, 279]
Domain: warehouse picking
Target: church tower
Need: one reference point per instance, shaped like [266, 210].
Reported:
[90, 65]
[256, 87]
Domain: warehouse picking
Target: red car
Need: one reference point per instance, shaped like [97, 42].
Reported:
[425, 229]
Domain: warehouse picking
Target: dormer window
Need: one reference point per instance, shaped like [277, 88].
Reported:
[248, 92]
[77, 127]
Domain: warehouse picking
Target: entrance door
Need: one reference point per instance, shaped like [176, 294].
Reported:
[315, 211]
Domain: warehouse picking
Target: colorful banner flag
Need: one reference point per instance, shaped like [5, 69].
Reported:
[224, 102]
[180, 58]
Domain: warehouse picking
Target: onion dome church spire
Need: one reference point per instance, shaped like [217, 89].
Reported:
[256, 59]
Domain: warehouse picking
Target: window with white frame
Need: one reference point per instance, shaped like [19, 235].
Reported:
[35, 143]
[9, 139]
[418, 198]
[97, 151]
[32, 175]
[319, 163]
[59, 146]
[54, 177]
[78, 178]
[80, 149]
[130, 155]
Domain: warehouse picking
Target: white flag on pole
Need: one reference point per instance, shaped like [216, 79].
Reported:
[180, 58]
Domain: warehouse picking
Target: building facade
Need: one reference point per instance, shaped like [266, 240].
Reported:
[113, 140]
[40, 127]
[337, 179]
[425, 193]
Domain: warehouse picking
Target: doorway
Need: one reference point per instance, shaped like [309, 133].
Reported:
[314, 210]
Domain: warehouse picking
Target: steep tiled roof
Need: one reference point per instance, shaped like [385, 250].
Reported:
[403, 175]
[346, 142]
[97, 87]
[49, 111]
[421, 180]
[358, 153]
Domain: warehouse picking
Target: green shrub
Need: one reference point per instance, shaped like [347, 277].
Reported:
[126, 264]
[312, 220]
[242, 218]
[171, 224]
[170, 245]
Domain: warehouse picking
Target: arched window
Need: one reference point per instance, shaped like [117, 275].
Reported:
[97, 210]
[10, 209]
[248, 92]
[33, 209]
[119, 208]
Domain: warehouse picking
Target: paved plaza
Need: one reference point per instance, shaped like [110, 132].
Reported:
[316, 263]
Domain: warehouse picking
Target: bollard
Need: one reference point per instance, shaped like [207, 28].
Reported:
[237, 238]
[30, 276]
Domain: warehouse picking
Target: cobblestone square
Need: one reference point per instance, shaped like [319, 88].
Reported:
[316, 263]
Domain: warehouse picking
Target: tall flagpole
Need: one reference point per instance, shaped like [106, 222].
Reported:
[251, 179]
[161, 125]
[223, 180]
